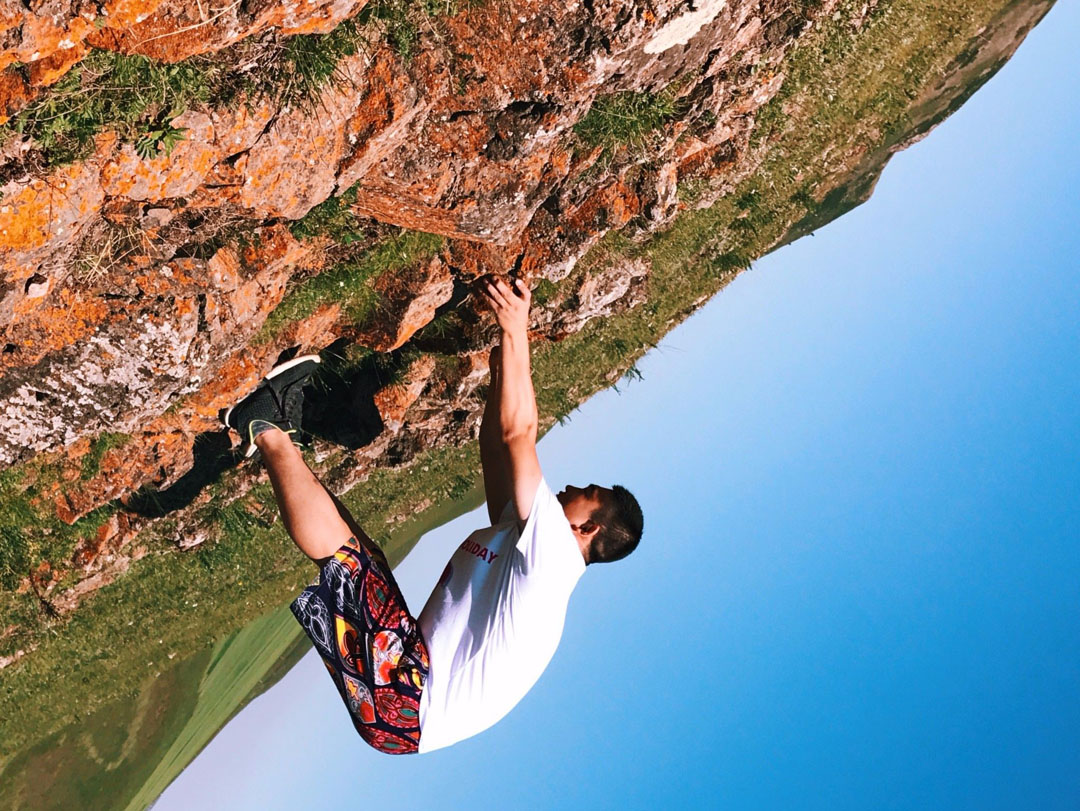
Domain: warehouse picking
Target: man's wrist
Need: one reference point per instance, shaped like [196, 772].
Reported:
[514, 335]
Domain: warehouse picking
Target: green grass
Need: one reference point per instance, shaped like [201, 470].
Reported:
[109, 755]
[692, 190]
[30, 532]
[111, 644]
[351, 284]
[403, 22]
[307, 64]
[543, 292]
[628, 119]
[332, 218]
[131, 94]
[237, 666]
[138, 97]
[126, 754]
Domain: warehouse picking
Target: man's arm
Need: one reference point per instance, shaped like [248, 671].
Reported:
[508, 430]
[497, 487]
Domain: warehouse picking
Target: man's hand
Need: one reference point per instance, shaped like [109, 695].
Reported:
[509, 302]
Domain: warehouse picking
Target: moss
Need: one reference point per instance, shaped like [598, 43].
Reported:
[91, 462]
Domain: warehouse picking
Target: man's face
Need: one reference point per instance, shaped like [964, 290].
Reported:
[579, 503]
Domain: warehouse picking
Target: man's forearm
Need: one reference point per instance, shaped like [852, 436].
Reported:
[516, 398]
[491, 424]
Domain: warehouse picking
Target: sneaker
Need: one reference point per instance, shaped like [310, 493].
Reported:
[277, 402]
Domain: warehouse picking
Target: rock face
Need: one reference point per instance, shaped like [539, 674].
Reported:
[471, 139]
[140, 291]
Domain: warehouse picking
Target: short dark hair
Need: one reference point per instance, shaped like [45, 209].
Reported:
[620, 523]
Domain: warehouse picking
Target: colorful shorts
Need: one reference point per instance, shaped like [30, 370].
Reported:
[357, 619]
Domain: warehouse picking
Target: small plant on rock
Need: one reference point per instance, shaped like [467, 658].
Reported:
[628, 119]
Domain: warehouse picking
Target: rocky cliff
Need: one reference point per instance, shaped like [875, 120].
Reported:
[192, 192]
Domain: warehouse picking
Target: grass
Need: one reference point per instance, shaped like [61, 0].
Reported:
[237, 665]
[350, 284]
[132, 94]
[543, 292]
[402, 22]
[186, 600]
[145, 742]
[104, 249]
[138, 97]
[305, 65]
[30, 532]
[333, 218]
[628, 119]
[692, 190]
[115, 748]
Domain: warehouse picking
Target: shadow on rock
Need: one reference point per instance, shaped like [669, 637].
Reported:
[213, 454]
[339, 407]
[339, 403]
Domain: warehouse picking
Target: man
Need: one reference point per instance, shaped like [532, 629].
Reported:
[496, 615]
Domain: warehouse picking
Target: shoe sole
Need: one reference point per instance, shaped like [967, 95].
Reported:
[277, 370]
[284, 367]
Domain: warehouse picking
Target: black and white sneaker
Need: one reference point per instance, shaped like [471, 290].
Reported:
[277, 402]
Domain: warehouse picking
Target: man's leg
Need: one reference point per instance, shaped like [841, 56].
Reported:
[310, 513]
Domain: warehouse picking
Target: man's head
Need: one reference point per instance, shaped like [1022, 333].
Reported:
[607, 522]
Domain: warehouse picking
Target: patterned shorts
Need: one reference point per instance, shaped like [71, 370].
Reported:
[357, 619]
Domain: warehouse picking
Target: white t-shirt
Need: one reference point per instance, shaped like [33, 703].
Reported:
[494, 620]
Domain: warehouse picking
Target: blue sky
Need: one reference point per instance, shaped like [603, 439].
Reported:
[859, 585]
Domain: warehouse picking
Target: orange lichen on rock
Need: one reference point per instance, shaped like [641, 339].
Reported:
[410, 299]
[471, 260]
[126, 13]
[90, 549]
[50, 70]
[237, 376]
[72, 317]
[42, 37]
[394, 400]
[36, 211]
[172, 30]
[610, 206]
[14, 93]
[166, 175]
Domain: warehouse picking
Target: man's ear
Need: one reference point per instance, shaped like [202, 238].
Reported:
[589, 529]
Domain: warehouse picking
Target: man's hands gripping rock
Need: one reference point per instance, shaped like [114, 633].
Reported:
[509, 302]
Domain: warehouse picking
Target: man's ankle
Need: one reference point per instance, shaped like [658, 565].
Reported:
[268, 436]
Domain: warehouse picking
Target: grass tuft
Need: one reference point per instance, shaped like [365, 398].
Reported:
[402, 22]
[306, 65]
[350, 284]
[628, 119]
[333, 218]
[130, 93]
